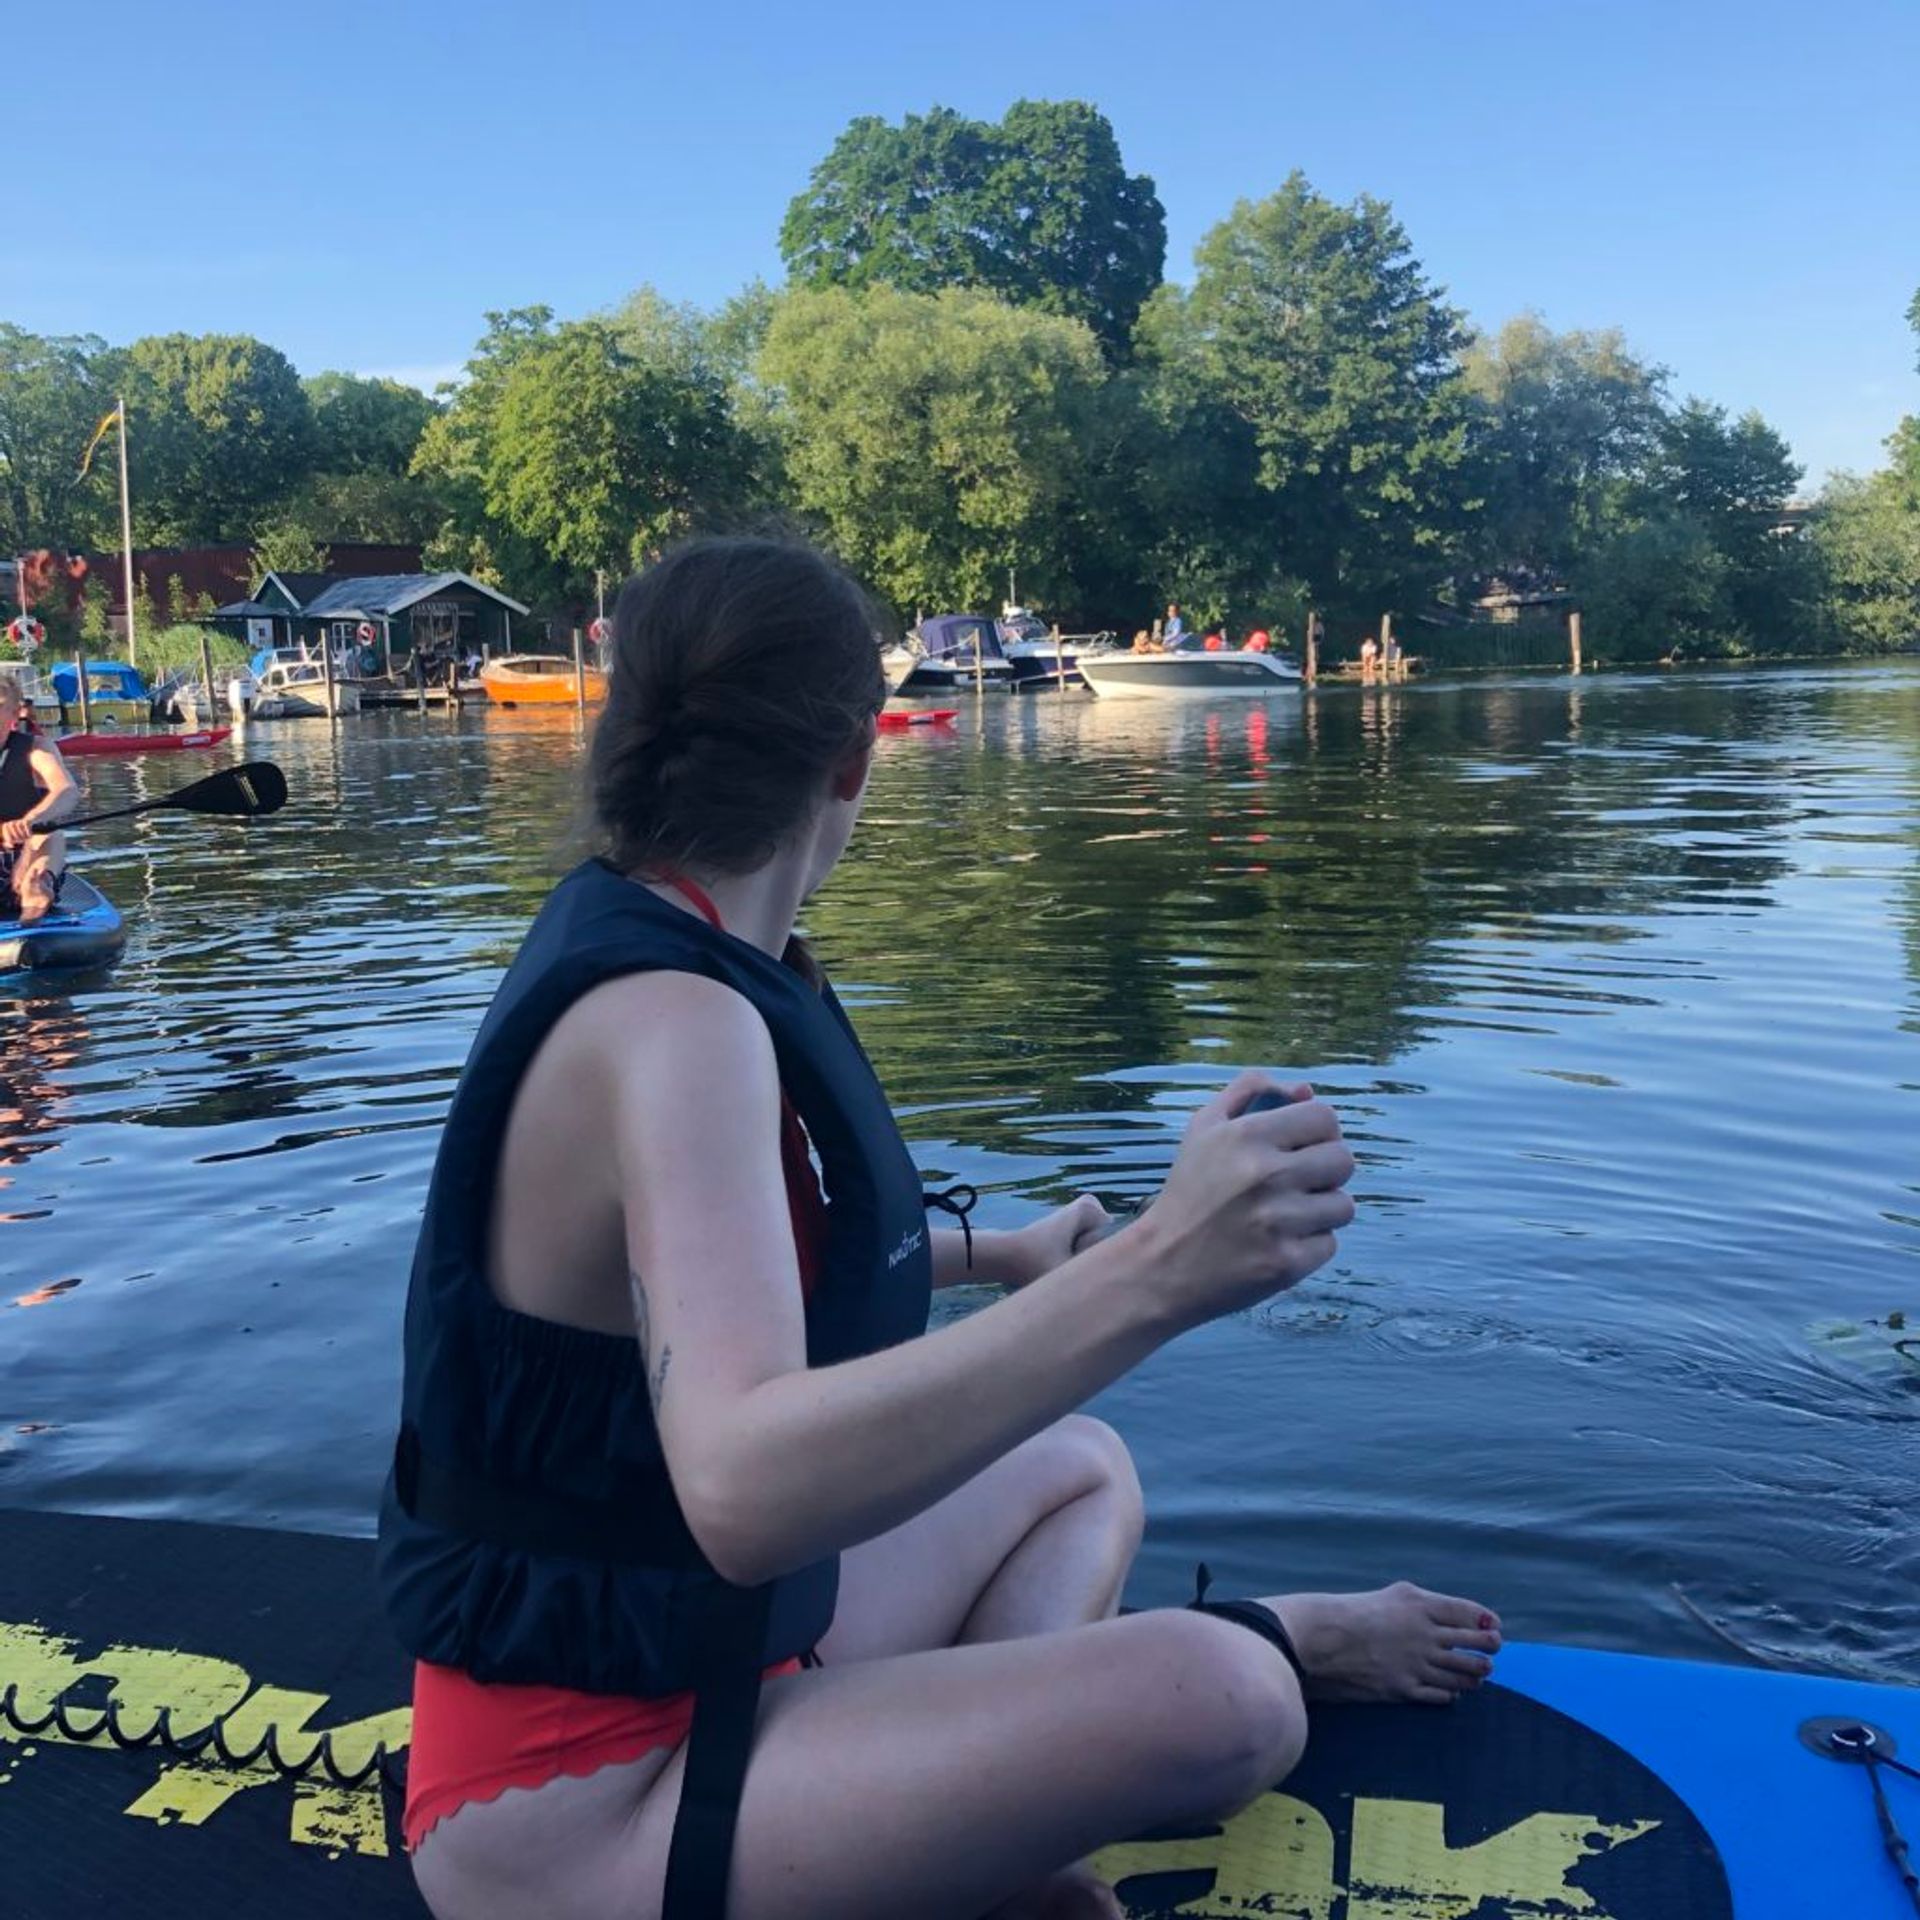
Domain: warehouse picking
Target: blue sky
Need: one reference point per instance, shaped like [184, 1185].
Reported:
[1738, 186]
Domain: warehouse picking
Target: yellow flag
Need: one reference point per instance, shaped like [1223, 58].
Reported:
[107, 420]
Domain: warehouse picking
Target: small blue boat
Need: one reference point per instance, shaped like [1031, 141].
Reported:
[83, 931]
[115, 691]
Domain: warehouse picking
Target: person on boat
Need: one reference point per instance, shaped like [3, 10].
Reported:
[1175, 629]
[734, 1591]
[35, 787]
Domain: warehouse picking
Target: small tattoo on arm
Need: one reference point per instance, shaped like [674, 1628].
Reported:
[641, 1327]
[657, 1377]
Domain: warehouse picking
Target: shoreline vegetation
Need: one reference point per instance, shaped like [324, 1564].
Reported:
[976, 375]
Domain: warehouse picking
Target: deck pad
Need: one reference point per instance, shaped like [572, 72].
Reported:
[1588, 1786]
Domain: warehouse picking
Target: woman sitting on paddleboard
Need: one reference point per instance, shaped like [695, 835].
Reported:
[35, 787]
[734, 1590]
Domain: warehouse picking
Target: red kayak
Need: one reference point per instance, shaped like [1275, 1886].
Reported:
[917, 717]
[141, 742]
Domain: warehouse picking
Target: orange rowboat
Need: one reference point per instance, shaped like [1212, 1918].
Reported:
[537, 680]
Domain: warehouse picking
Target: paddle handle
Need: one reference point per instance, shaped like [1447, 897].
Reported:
[87, 819]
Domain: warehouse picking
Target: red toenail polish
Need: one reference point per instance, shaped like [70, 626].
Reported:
[1486, 1622]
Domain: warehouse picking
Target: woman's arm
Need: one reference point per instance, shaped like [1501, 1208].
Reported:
[776, 1464]
[56, 801]
[1017, 1256]
[62, 794]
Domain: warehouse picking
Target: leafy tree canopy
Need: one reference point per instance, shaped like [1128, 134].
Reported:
[1563, 422]
[221, 428]
[364, 425]
[585, 445]
[938, 437]
[1038, 208]
[1313, 325]
[53, 391]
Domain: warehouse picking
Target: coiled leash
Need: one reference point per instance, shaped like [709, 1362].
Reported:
[959, 1200]
[1861, 1744]
[385, 1764]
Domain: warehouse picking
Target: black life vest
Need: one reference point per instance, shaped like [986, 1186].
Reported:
[529, 1532]
[20, 788]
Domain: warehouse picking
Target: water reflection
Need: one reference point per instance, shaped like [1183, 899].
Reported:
[38, 1040]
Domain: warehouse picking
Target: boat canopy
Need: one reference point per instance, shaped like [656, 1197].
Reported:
[106, 680]
[949, 636]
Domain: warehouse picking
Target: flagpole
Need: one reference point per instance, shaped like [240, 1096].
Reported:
[126, 531]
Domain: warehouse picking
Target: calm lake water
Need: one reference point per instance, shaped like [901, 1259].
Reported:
[1616, 985]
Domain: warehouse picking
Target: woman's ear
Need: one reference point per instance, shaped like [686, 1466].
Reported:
[851, 774]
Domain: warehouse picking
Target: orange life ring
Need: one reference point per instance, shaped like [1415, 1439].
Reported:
[26, 632]
[366, 631]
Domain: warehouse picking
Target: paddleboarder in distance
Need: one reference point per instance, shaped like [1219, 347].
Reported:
[733, 1590]
[35, 787]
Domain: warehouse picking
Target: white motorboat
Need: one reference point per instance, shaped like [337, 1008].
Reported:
[951, 653]
[1189, 675]
[1041, 658]
[291, 683]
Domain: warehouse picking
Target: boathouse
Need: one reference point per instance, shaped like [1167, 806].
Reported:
[391, 613]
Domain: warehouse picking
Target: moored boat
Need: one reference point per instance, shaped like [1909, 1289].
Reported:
[1041, 658]
[83, 929]
[189, 740]
[1194, 675]
[538, 680]
[115, 690]
[898, 719]
[949, 653]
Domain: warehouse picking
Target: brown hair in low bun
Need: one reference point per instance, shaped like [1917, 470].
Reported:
[744, 670]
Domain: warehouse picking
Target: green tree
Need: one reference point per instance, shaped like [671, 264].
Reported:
[453, 455]
[1732, 478]
[1869, 537]
[369, 505]
[583, 445]
[53, 391]
[1563, 424]
[1038, 208]
[1655, 589]
[363, 425]
[1314, 327]
[221, 430]
[939, 438]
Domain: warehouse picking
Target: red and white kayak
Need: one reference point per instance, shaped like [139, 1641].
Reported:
[896, 717]
[142, 742]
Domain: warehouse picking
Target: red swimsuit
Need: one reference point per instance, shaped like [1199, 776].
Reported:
[471, 1741]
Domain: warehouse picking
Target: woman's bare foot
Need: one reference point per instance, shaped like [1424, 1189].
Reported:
[1073, 1893]
[1399, 1643]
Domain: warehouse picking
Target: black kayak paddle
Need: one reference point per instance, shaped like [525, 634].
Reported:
[242, 793]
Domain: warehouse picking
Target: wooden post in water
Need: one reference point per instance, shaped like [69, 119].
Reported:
[326, 673]
[86, 698]
[1313, 647]
[1059, 661]
[979, 666]
[579, 674]
[206, 672]
[1573, 635]
[1386, 647]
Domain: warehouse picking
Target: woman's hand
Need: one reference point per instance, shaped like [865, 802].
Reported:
[1025, 1253]
[15, 833]
[1252, 1204]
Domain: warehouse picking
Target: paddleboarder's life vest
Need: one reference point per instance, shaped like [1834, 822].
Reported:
[19, 787]
[529, 1532]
